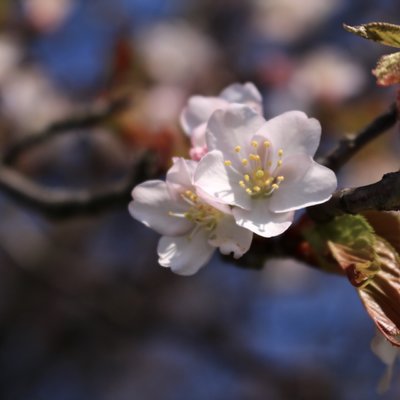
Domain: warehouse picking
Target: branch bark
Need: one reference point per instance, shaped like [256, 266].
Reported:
[381, 196]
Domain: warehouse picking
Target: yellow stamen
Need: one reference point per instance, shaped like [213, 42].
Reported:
[254, 157]
[280, 152]
[269, 181]
[275, 186]
[267, 144]
[254, 143]
[279, 163]
[246, 177]
[280, 178]
[245, 161]
[237, 149]
[242, 184]
[248, 191]
[256, 188]
[259, 173]
[228, 163]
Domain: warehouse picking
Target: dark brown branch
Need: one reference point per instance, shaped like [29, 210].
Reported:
[382, 196]
[88, 119]
[350, 145]
[59, 203]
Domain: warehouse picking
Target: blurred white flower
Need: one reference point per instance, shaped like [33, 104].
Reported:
[388, 354]
[263, 169]
[31, 101]
[47, 15]
[198, 110]
[288, 20]
[327, 74]
[193, 225]
[10, 55]
[175, 53]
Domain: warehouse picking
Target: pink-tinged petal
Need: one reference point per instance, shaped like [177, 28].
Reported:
[234, 126]
[185, 255]
[220, 182]
[231, 238]
[306, 183]
[181, 173]
[198, 110]
[151, 205]
[261, 220]
[198, 137]
[245, 94]
[294, 133]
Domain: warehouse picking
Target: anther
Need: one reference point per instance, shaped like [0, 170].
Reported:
[254, 143]
[237, 149]
[259, 173]
[256, 188]
[280, 152]
[275, 186]
[279, 163]
[248, 191]
[246, 177]
[269, 181]
[254, 157]
[228, 163]
[267, 144]
[245, 161]
[242, 184]
[280, 178]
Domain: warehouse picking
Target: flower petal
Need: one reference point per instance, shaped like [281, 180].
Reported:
[183, 254]
[232, 127]
[294, 133]
[215, 179]
[231, 238]
[180, 175]
[245, 94]
[306, 183]
[261, 220]
[151, 205]
[198, 110]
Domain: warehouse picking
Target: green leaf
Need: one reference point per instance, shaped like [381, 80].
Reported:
[350, 230]
[381, 32]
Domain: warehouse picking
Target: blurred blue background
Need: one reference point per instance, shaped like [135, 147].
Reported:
[85, 311]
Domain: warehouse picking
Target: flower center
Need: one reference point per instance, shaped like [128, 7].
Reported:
[259, 178]
[200, 213]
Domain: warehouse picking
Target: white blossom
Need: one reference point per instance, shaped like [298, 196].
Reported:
[192, 224]
[263, 169]
[198, 110]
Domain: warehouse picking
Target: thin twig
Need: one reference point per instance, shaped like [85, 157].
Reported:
[88, 119]
[350, 145]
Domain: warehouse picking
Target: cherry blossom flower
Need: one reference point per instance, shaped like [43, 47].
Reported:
[263, 169]
[191, 223]
[195, 115]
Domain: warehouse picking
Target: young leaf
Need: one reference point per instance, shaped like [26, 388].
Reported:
[387, 70]
[381, 296]
[381, 32]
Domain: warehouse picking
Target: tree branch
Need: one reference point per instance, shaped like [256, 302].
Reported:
[90, 118]
[59, 203]
[382, 196]
[351, 144]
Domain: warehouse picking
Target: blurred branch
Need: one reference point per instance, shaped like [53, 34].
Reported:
[351, 144]
[382, 196]
[90, 118]
[58, 203]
